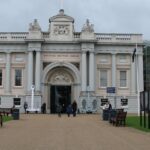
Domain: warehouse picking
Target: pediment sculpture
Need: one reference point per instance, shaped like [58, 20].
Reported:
[87, 27]
[34, 26]
[61, 30]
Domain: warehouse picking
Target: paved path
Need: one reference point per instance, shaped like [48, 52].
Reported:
[84, 132]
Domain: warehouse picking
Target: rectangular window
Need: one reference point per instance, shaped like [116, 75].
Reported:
[123, 79]
[123, 58]
[1, 77]
[103, 78]
[17, 101]
[18, 77]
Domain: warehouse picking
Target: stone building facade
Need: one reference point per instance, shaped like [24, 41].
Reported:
[64, 65]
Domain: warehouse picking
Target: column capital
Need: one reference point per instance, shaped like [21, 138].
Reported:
[84, 52]
[8, 52]
[114, 53]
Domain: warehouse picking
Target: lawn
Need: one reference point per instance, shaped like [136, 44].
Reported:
[7, 118]
[134, 122]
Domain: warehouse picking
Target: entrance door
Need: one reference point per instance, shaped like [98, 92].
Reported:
[60, 95]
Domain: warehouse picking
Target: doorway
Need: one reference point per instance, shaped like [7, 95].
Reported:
[60, 95]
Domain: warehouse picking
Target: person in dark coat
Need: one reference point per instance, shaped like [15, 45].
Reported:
[74, 108]
[110, 106]
[43, 108]
[59, 109]
[69, 110]
[25, 107]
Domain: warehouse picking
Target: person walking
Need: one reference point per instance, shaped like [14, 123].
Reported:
[25, 107]
[74, 108]
[43, 108]
[69, 110]
[59, 109]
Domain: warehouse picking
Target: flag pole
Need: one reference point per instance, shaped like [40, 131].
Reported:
[61, 4]
[137, 78]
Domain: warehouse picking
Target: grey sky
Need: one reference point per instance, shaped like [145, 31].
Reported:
[108, 16]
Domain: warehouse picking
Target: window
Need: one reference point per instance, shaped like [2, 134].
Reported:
[0, 77]
[104, 59]
[17, 101]
[123, 78]
[103, 78]
[18, 77]
[123, 58]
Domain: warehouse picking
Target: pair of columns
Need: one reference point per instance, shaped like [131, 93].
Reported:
[133, 77]
[91, 71]
[134, 72]
[31, 69]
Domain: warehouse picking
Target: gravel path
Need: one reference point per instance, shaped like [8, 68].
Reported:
[84, 132]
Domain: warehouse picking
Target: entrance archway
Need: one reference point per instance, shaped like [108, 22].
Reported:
[61, 84]
[60, 95]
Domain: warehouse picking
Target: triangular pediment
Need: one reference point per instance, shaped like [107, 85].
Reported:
[61, 17]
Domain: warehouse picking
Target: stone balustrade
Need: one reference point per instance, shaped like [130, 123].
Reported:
[100, 37]
[13, 36]
[119, 38]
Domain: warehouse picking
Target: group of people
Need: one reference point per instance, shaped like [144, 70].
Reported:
[71, 109]
[43, 107]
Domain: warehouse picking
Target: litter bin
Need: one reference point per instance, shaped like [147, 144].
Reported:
[15, 114]
[105, 114]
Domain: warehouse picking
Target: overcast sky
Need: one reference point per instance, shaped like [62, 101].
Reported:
[108, 16]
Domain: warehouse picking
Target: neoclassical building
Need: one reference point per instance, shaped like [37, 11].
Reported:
[64, 65]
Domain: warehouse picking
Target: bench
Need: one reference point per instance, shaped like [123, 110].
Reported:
[119, 119]
[6, 111]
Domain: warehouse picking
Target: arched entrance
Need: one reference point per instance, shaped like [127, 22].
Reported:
[61, 85]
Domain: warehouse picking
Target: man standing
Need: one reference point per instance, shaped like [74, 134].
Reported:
[25, 107]
[74, 108]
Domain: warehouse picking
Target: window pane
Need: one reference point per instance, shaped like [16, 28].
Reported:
[17, 101]
[103, 78]
[18, 77]
[123, 79]
[0, 77]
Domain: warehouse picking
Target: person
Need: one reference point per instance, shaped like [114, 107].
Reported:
[25, 106]
[74, 108]
[59, 109]
[43, 108]
[110, 106]
[107, 106]
[69, 110]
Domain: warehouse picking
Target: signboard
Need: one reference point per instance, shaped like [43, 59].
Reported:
[124, 102]
[104, 101]
[111, 90]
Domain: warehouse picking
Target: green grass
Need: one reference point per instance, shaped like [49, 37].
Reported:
[134, 122]
[7, 118]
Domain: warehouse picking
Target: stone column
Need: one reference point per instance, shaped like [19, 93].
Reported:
[38, 71]
[91, 71]
[133, 77]
[113, 70]
[8, 73]
[84, 71]
[30, 71]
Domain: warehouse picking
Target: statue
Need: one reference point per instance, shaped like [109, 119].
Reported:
[87, 27]
[34, 26]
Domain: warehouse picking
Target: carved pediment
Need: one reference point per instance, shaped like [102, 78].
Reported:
[61, 30]
[61, 77]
